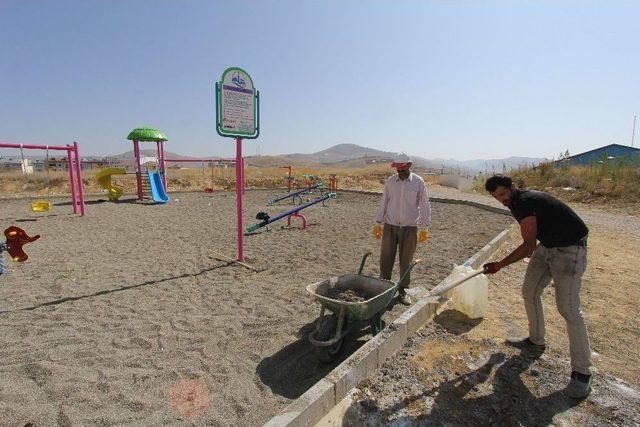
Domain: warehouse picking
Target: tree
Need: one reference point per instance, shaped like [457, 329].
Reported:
[564, 155]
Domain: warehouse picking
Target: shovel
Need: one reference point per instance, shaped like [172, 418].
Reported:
[439, 290]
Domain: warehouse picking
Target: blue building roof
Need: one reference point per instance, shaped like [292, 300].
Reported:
[611, 152]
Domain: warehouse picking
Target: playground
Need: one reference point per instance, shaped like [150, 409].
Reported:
[114, 313]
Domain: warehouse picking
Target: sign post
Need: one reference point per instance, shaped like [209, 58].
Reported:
[238, 116]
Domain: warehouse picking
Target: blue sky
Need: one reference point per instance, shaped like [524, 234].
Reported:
[449, 79]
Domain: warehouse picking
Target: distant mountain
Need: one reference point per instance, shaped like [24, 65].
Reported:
[340, 153]
[352, 155]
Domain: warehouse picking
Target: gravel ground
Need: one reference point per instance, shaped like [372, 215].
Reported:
[120, 317]
[442, 377]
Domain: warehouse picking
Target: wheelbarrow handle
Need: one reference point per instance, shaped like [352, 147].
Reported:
[364, 258]
[405, 276]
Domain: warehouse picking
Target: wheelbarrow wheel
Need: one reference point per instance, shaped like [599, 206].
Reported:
[328, 331]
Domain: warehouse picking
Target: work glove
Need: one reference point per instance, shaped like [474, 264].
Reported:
[377, 231]
[491, 267]
[423, 235]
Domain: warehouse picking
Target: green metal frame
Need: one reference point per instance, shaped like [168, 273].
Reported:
[256, 95]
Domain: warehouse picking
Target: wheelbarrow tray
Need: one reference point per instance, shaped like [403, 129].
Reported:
[380, 292]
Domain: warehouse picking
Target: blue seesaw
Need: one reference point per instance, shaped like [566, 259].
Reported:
[293, 195]
[266, 219]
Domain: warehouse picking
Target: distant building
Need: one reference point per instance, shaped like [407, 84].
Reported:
[15, 165]
[60, 164]
[612, 152]
[89, 164]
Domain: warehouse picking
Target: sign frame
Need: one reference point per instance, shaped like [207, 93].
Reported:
[220, 106]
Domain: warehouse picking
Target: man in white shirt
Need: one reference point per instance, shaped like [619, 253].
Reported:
[404, 204]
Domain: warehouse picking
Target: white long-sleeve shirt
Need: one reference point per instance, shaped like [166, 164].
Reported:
[404, 202]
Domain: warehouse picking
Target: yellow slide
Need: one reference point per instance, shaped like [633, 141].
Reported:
[104, 179]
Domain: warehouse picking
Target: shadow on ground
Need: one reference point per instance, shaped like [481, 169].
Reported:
[510, 403]
[295, 369]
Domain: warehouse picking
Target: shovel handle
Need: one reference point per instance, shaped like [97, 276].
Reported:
[439, 291]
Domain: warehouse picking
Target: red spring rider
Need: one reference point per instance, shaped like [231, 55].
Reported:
[16, 238]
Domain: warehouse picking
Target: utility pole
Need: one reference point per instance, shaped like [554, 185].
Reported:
[633, 132]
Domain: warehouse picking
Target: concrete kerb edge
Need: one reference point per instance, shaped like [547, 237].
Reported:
[440, 200]
[318, 401]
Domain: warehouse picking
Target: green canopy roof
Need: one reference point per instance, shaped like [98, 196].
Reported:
[146, 134]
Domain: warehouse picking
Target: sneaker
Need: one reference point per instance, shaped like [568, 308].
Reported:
[580, 385]
[525, 344]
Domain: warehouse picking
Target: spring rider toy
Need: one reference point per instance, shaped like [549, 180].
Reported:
[16, 238]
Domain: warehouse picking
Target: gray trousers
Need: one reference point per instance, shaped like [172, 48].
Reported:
[565, 266]
[394, 237]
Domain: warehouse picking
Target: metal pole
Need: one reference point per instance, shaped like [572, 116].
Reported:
[633, 133]
[239, 198]
[243, 182]
[136, 153]
[164, 166]
[158, 158]
[33, 147]
[79, 178]
[72, 181]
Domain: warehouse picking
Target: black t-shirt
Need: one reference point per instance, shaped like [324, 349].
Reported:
[558, 224]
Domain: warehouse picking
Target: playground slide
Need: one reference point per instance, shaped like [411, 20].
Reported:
[157, 189]
[104, 179]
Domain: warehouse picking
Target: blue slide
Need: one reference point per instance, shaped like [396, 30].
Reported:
[157, 189]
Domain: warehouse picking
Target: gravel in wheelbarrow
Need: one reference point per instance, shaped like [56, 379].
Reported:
[350, 295]
[360, 296]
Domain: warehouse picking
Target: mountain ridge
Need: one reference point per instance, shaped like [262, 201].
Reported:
[359, 156]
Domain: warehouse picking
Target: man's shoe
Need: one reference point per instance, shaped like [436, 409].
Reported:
[403, 298]
[525, 344]
[580, 385]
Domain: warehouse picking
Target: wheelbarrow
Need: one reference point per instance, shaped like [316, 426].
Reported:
[347, 317]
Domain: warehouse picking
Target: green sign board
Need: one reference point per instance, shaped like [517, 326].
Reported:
[237, 105]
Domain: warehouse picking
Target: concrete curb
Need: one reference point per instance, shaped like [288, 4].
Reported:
[479, 258]
[320, 399]
[441, 200]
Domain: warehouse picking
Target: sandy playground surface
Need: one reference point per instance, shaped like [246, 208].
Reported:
[126, 317]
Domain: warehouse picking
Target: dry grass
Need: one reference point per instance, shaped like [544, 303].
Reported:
[15, 184]
[602, 183]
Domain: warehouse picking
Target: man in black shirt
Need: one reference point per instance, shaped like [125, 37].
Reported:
[561, 256]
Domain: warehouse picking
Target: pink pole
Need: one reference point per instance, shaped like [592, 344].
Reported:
[136, 152]
[164, 166]
[243, 182]
[33, 147]
[72, 181]
[239, 181]
[159, 161]
[79, 178]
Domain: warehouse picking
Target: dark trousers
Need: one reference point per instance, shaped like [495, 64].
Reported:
[394, 237]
